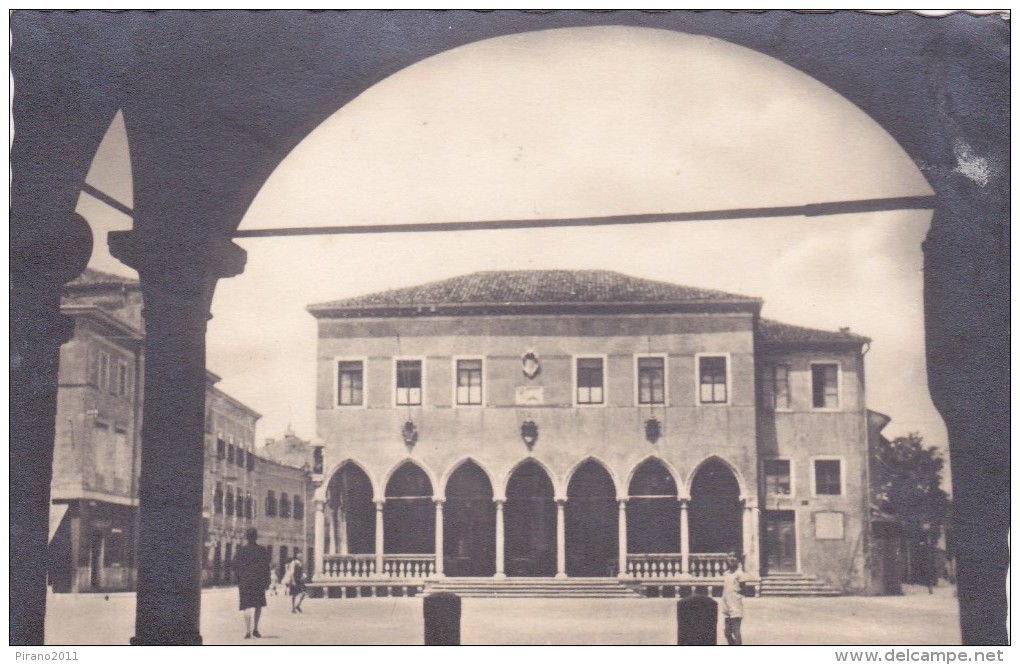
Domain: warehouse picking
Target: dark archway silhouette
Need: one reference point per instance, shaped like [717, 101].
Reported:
[592, 522]
[409, 516]
[469, 524]
[199, 166]
[653, 512]
[529, 520]
[350, 512]
[715, 512]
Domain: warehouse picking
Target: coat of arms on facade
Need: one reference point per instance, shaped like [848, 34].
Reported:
[529, 365]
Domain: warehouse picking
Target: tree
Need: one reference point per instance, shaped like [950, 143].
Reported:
[910, 479]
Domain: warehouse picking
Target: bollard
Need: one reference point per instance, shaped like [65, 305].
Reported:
[697, 620]
[442, 619]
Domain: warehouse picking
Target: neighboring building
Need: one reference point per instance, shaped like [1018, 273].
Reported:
[585, 424]
[291, 450]
[97, 454]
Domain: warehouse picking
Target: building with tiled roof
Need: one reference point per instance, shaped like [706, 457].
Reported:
[579, 425]
[97, 454]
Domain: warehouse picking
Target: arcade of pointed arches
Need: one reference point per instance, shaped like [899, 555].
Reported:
[413, 525]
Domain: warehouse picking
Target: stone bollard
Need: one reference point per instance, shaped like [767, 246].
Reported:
[697, 620]
[442, 619]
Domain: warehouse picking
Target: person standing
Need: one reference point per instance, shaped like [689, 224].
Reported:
[297, 584]
[252, 563]
[732, 600]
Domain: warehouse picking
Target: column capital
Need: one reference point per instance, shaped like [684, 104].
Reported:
[439, 500]
[320, 505]
[499, 501]
[622, 500]
[560, 501]
[379, 505]
[684, 500]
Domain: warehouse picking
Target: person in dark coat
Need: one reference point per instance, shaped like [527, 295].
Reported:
[252, 564]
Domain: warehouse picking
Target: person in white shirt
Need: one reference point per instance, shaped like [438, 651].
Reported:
[732, 599]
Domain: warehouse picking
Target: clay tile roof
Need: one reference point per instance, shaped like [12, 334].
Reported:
[774, 332]
[536, 287]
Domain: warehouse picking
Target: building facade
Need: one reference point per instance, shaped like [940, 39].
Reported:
[93, 515]
[576, 424]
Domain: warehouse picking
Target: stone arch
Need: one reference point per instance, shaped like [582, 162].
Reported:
[388, 476]
[674, 474]
[741, 483]
[597, 460]
[409, 517]
[349, 510]
[715, 508]
[591, 520]
[529, 518]
[444, 480]
[653, 511]
[553, 478]
[469, 522]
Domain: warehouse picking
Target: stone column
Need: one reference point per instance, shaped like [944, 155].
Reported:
[751, 555]
[379, 505]
[685, 539]
[500, 542]
[320, 537]
[561, 540]
[622, 537]
[439, 538]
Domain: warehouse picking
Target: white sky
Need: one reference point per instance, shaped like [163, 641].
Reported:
[572, 123]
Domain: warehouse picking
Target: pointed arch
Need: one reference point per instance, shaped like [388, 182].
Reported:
[653, 512]
[504, 483]
[595, 459]
[469, 517]
[715, 511]
[652, 458]
[741, 483]
[320, 492]
[388, 476]
[530, 520]
[349, 510]
[453, 468]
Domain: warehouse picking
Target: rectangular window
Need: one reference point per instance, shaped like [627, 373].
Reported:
[231, 451]
[469, 382]
[299, 508]
[651, 381]
[408, 382]
[218, 499]
[251, 461]
[270, 503]
[828, 479]
[590, 381]
[825, 386]
[104, 371]
[240, 457]
[781, 387]
[350, 382]
[122, 382]
[777, 477]
[712, 379]
[230, 501]
[249, 506]
[221, 448]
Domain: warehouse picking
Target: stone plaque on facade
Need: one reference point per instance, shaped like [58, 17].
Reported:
[829, 526]
[529, 396]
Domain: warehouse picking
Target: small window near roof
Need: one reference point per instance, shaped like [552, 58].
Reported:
[350, 381]
[780, 385]
[712, 380]
[651, 381]
[408, 382]
[590, 381]
[825, 386]
[469, 381]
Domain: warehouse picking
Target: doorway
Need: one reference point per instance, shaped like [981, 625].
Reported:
[591, 523]
[530, 523]
[780, 541]
[469, 530]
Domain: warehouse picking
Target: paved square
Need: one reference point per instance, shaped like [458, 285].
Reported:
[915, 618]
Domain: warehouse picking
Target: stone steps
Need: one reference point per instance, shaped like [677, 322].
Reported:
[795, 584]
[531, 587]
